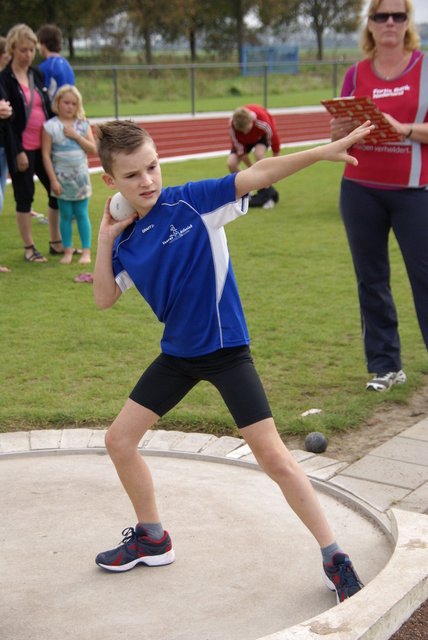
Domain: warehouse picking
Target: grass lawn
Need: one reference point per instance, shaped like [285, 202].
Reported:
[67, 363]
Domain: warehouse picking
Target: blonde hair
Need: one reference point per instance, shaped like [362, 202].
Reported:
[241, 118]
[119, 136]
[18, 33]
[2, 45]
[411, 39]
[69, 88]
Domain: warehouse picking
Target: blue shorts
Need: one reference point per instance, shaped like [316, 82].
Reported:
[168, 379]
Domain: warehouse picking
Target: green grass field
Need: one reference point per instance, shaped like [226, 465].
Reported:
[67, 363]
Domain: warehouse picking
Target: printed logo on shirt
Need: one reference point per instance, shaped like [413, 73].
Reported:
[151, 226]
[390, 93]
[176, 234]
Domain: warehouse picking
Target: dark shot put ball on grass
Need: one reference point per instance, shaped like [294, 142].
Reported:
[316, 442]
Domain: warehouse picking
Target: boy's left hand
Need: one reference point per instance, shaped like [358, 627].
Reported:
[338, 151]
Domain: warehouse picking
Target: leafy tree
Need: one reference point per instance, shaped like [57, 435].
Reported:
[343, 16]
[148, 16]
[222, 23]
[277, 13]
[237, 10]
[69, 15]
[188, 19]
[73, 16]
[32, 13]
[227, 30]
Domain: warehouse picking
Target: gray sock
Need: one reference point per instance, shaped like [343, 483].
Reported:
[328, 552]
[154, 530]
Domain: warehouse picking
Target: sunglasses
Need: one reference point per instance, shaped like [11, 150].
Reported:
[381, 18]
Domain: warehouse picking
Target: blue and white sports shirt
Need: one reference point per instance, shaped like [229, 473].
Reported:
[177, 257]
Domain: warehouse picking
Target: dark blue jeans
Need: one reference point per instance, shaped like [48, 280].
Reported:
[369, 215]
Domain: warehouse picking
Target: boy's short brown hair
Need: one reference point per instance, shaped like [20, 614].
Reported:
[241, 118]
[119, 136]
[51, 36]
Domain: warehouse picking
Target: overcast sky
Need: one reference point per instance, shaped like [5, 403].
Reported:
[421, 10]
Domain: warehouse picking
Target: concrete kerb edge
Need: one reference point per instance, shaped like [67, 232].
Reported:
[144, 452]
[383, 520]
[379, 610]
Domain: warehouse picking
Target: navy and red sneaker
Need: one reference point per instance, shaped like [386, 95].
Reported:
[340, 576]
[137, 548]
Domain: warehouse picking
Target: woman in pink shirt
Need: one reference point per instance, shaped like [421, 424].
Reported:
[388, 190]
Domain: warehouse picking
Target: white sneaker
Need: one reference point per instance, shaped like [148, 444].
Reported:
[34, 214]
[384, 381]
[269, 204]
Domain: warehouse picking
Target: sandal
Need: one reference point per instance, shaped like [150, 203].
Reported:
[84, 277]
[52, 250]
[36, 256]
[4, 270]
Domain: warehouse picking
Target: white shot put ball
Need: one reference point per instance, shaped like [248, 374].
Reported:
[120, 208]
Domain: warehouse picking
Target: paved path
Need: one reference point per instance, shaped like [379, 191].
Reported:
[237, 576]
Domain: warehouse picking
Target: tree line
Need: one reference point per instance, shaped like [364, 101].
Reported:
[221, 23]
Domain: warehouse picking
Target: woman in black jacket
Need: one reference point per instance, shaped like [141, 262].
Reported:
[24, 86]
[5, 114]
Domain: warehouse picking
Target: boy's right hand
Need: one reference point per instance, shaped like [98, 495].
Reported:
[110, 227]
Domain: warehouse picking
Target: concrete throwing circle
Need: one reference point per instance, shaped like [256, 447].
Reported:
[245, 565]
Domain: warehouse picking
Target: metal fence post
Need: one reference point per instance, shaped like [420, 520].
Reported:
[116, 98]
[265, 81]
[335, 80]
[192, 87]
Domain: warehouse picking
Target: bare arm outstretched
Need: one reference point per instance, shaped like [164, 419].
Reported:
[271, 170]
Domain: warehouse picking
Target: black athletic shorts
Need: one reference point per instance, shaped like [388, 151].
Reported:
[23, 183]
[168, 379]
[250, 147]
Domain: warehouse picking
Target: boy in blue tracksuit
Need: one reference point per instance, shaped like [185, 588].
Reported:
[173, 249]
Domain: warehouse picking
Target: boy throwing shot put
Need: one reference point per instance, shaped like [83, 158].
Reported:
[174, 250]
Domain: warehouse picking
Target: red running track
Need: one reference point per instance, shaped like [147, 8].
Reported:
[189, 136]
